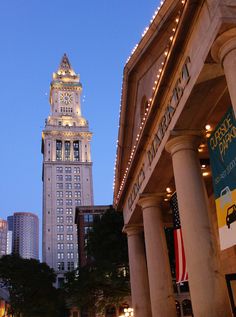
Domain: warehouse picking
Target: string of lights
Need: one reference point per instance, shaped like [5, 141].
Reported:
[155, 87]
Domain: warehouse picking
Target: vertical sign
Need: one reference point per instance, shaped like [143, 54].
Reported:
[222, 149]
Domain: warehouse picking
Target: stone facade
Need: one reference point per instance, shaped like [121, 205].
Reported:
[180, 78]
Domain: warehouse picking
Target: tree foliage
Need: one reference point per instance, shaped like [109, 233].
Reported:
[30, 285]
[104, 280]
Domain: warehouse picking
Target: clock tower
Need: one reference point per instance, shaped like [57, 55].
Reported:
[67, 170]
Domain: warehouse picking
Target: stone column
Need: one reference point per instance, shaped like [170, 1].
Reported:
[207, 283]
[224, 51]
[159, 275]
[138, 271]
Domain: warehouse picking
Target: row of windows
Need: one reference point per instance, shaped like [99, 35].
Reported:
[69, 246]
[60, 255]
[60, 210]
[61, 266]
[68, 186]
[60, 219]
[68, 202]
[66, 109]
[68, 178]
[60, 237]
[68, 169]
[60, 228]
[68, 194]
[67, 150]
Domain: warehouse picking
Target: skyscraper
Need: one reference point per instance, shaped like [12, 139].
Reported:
[3, 237]
[25, 238]
[67, 169]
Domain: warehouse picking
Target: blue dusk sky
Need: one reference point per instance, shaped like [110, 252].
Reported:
[98, 37]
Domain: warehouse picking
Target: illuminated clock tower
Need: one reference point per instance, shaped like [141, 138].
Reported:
[67, 170]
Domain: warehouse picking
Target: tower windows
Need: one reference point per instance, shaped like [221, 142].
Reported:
[60, 178]
[68, 185]
[76, 170]
[76, 178]
[67, 169]
[68, 178]
[58, 150]
[76, 150]
[67, 150]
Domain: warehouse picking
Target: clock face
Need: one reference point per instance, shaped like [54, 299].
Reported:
[66, 98]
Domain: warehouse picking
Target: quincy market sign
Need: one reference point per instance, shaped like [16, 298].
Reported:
[175, 98]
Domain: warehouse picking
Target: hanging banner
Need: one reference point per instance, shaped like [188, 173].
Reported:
[222, 150]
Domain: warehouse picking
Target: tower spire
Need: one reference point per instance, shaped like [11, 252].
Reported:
[65, 71]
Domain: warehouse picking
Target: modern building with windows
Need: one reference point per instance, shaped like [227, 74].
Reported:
[25, 235]
[178, 110]
[3, 237]
[67, 169]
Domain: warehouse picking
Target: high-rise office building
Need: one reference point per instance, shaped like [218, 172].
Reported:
[25, 237]
[67, 169]
[3, 237]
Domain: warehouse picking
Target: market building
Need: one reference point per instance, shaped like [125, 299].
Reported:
[178, 105]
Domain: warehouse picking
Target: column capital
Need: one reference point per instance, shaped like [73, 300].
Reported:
[224, 44]
[133, 229]
[150, 200]
[183, 142]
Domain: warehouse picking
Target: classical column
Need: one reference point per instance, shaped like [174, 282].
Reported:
[138, 271]
[207, 283]
[224, 51]
[159, 275]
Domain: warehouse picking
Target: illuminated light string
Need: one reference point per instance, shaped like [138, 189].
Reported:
[154, 88]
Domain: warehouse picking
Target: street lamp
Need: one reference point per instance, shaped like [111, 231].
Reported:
[128, 312]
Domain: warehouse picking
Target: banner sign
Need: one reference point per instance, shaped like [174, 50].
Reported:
[222, 150]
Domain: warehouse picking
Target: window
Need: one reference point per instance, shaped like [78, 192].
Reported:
[67, 169]
[60, 228]
[59, 202]
[68, 194]
[59, 178]
[70, 255]
[69, 211]
[77, 186]
[60, 256]
[70, 267]
[77, 202]
[77, 194]
[59, 219]
[59, 169]
[69, 228]
[59, 210]
[87, 229]
[68, 185]
[68, 178]
[70, 246]
[77, 178]
[59, 185]
[58, 150]
[59, 194]
[60, 246]
[60, 266]
[69, 219]
[69, 237]
[76, 150]
[76, 170]
[88, 218]
[60, 237]
[68, 202]
[67, 150]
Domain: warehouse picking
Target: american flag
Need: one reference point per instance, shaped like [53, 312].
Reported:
[180, 261]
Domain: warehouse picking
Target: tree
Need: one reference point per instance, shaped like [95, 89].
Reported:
[104, 281]
[30, 285]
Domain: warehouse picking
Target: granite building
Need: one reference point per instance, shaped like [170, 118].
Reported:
[67, 169]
